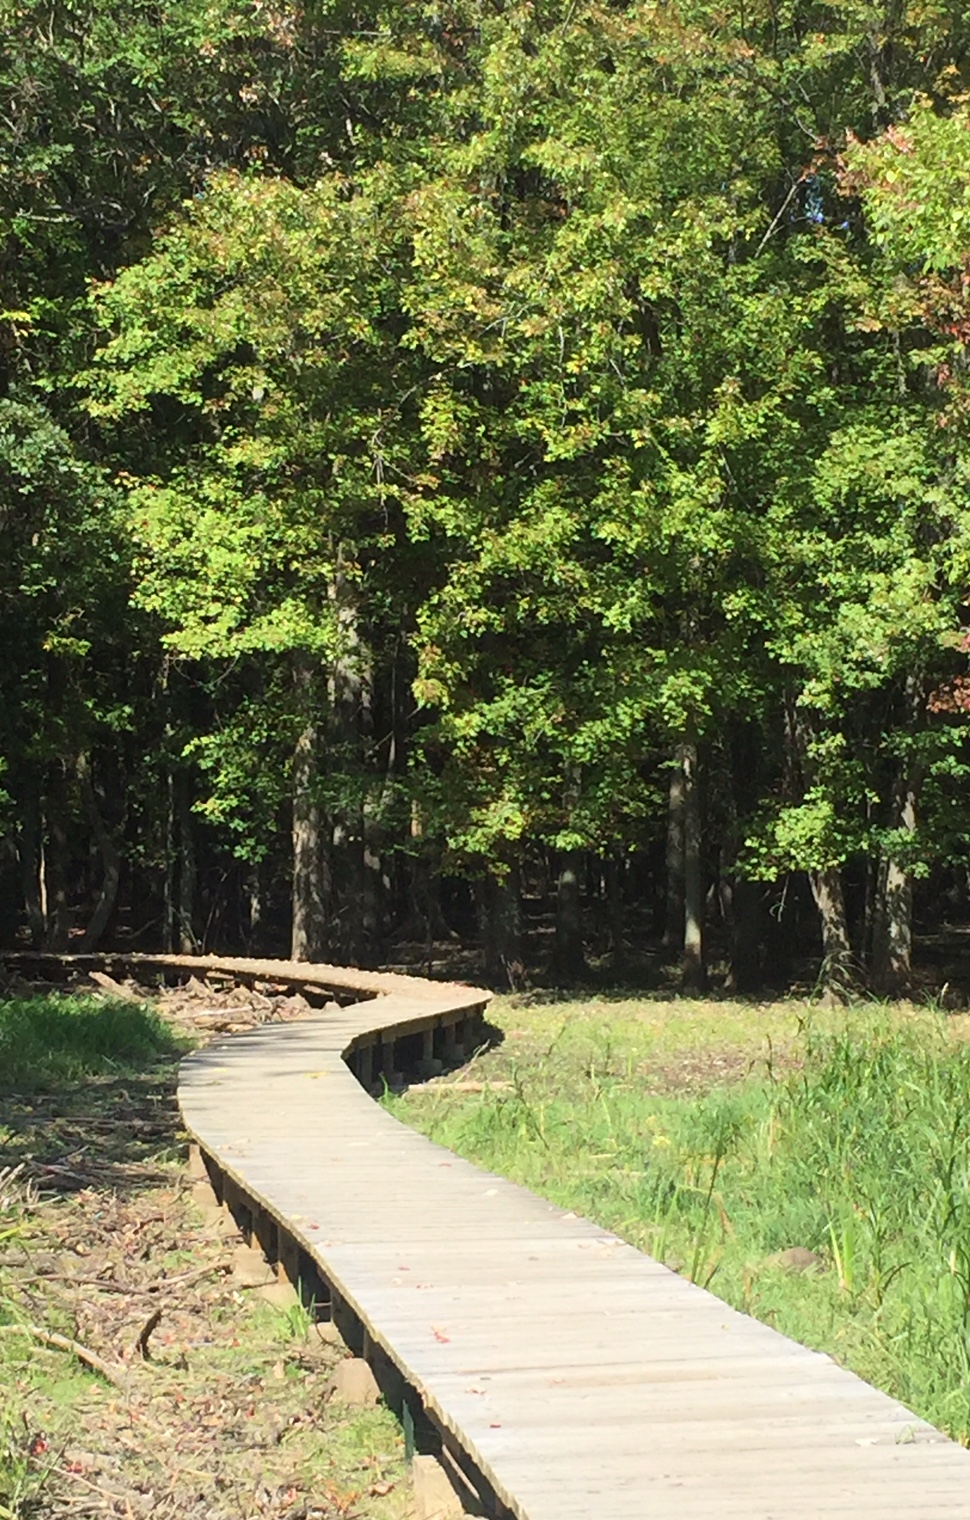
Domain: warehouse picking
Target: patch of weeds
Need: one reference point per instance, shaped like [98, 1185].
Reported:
[855, 1149]
[47, 1042]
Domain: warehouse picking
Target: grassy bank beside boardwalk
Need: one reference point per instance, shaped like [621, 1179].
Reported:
[811, 1169]
[103, 1246]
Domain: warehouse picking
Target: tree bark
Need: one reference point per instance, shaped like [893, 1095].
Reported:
[614, 888]
[254, 907]
[569, 955]
[308, 918]
[674, 927]
[9, 893]
[694, 971]
[836, 973]
[110, 861]
[358, 892]
[30, 849]
[501, 925]
[893, 916]
[57, 863]
[187, 942]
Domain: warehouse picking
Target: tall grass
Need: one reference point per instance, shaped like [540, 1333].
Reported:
[47, 1042]
[862, 1156]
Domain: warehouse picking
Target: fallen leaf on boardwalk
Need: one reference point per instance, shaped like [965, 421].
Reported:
[439, 1335]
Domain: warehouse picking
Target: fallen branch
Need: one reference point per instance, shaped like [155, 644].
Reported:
[145, 1335]
[114, 1374]
[184, 1278]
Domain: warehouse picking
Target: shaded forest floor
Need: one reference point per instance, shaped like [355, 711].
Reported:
[144, 1370]
[812, 1167]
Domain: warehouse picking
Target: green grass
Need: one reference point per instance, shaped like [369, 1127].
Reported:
[849, 1137]
[47, 1042]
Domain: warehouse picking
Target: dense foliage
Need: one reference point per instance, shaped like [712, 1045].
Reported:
[508, 443]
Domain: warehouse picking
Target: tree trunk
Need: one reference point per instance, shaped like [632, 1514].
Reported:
[614, 887]
[168, 884]
[569, 956]
[57, 863]
[892, 946]
[110, 861]
[254, 908]
[893, 917]
[836, 973]
[674, 927]
[9, 893]
[30, 849]
[694, 971]
[358, 891]
[187, 942]
[308, 919]
[501, 925]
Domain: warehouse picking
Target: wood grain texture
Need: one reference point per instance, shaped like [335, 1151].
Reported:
[583, 1378]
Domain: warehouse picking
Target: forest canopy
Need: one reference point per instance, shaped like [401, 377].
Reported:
[453, 452]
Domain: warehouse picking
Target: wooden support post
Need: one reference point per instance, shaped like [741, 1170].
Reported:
[448, 1042]
[388, 1069]
[429, 1065]
[266, 1234]
[216, 1178]
[235, 1200]
[364, 1063]
[288, 1255]
[195, 1167]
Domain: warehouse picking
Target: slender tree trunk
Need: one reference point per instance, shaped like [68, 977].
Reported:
[892, 947]
[168, 884]
[501, 924]
[110, 861]
[694, 971]
[674, 927]
[30, 849]
[569, 955]
[374, 886]
[837, 974]
[614, 888]
[893, 917]
[308, 920]
[57, 862]
[741, 899]
[254, 907]
[187, 942]
[358, 887]
[9, 893]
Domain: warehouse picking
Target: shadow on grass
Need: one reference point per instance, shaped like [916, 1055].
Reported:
[87, 1092]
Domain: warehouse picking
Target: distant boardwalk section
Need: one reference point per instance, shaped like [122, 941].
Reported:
[569, 1376]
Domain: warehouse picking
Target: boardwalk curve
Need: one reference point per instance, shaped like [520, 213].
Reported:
[569, 1376]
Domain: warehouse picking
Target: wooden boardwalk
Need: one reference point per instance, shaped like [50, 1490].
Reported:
[578, 1378]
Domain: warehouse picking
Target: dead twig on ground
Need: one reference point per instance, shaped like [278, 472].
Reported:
[115, 1374]
[129, 1290]
[145, 1335]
